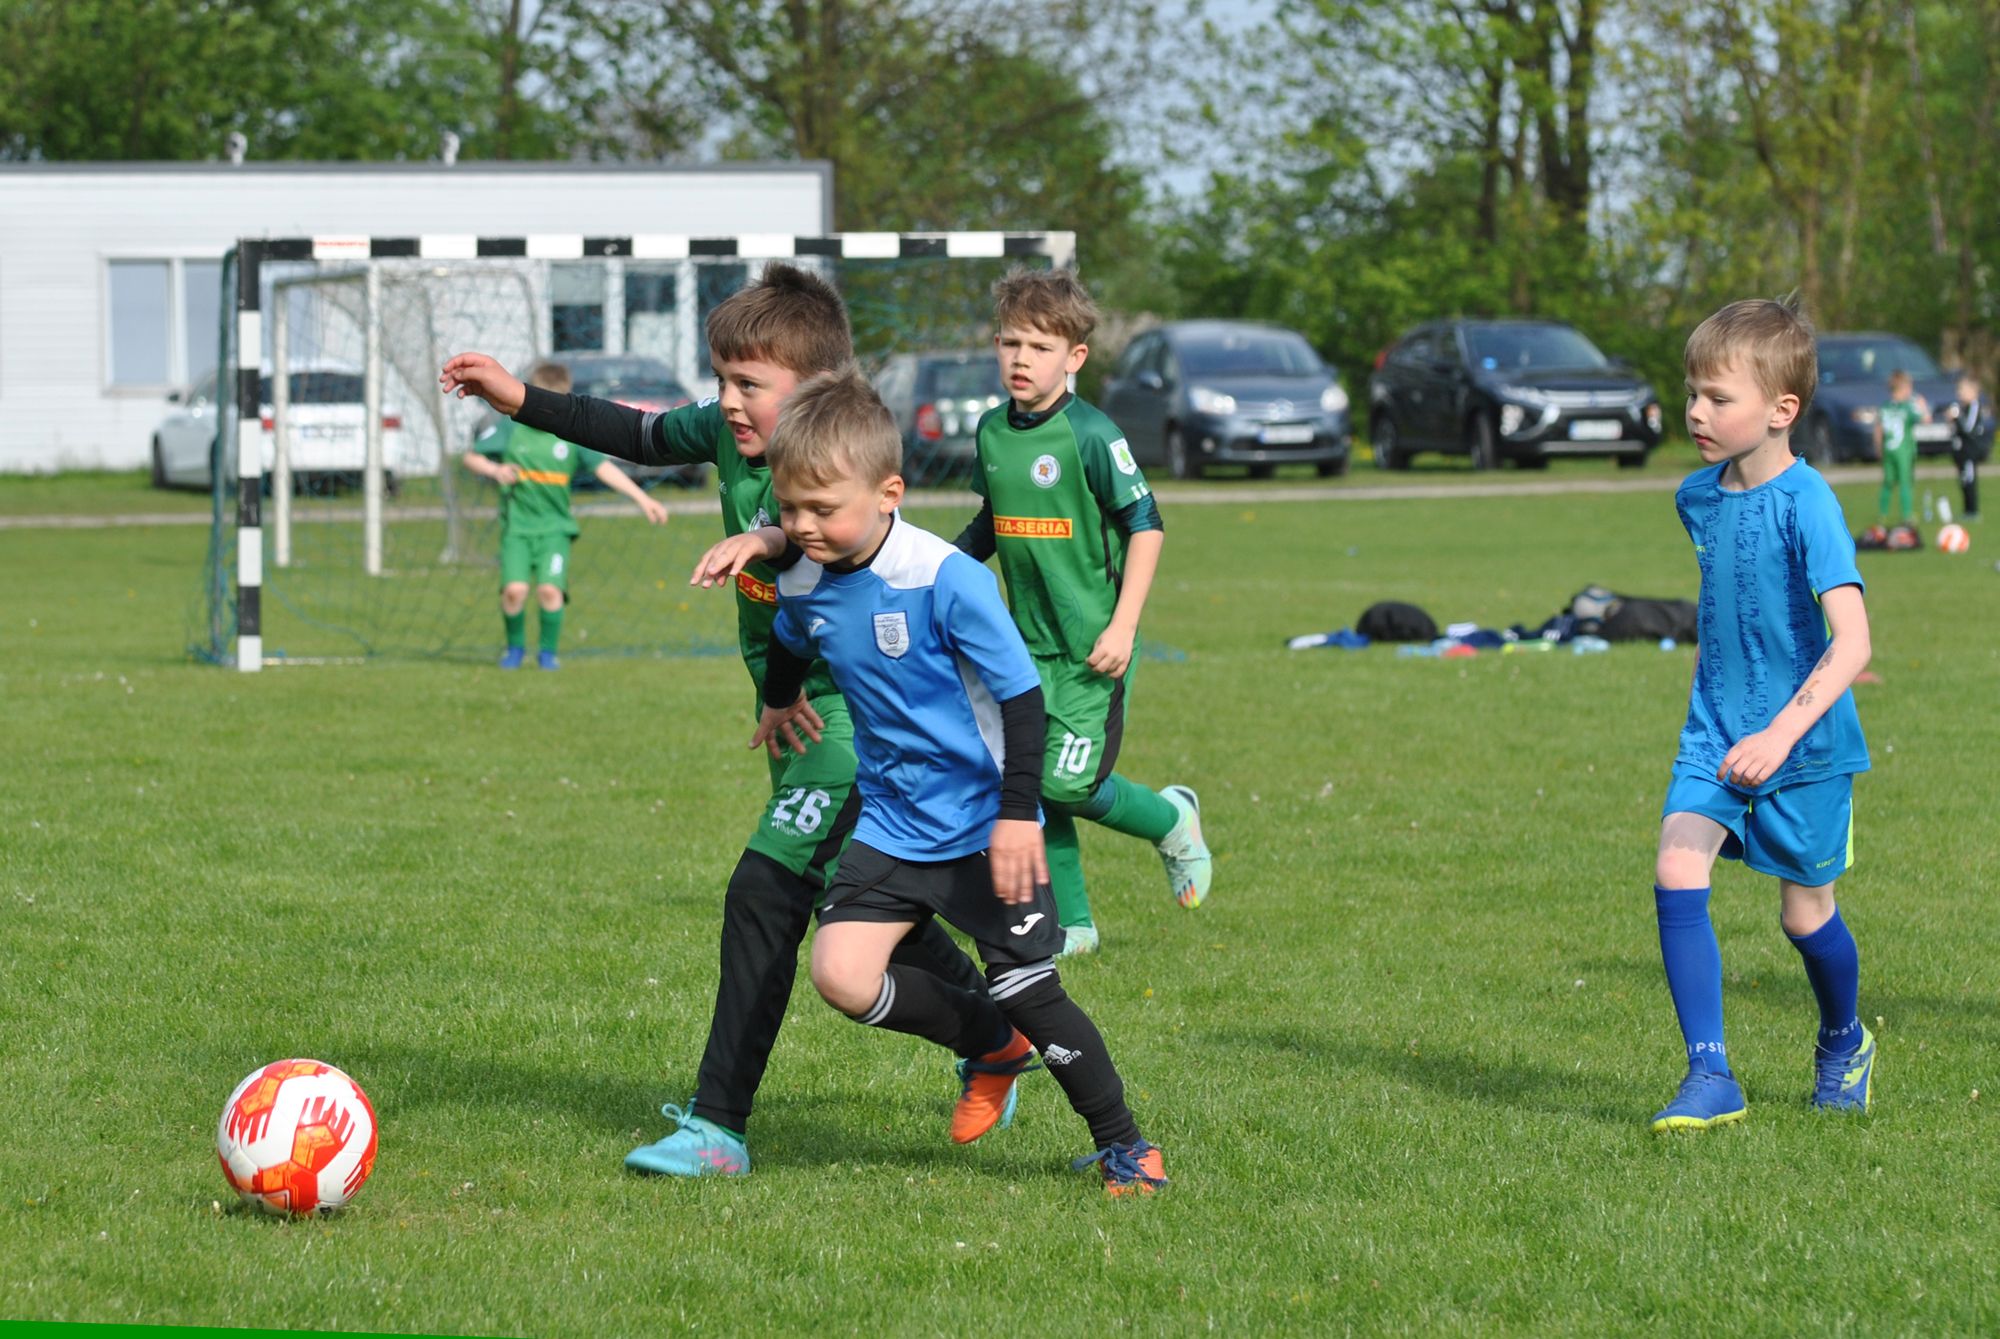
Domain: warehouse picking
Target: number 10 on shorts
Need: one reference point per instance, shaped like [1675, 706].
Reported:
[1074, 759]
[800, 809]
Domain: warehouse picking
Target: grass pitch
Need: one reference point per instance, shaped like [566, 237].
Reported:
[1401, 1063]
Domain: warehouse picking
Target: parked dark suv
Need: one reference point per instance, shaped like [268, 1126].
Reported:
[938, 400]
[1525, 391]
[1197, 393]
[1853, 383]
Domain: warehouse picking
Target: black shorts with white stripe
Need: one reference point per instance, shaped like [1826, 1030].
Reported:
[872, 885]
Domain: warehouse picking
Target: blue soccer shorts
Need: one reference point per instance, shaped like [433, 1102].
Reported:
[1802, 832]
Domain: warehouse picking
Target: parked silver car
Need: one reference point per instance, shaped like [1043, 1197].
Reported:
[328, 444]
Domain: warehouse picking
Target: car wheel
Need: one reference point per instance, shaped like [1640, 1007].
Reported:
[1388, 452]
[159, 466]
[1331, 469]
[1179, 463]
[1819, 442]
[1262, 471]
[1480, 443]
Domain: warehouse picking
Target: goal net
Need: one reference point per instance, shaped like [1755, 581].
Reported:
[345, 525]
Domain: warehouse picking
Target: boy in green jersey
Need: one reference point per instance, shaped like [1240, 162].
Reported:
[1896, 440]
[1078, 536]
[763, 340]
[534, 470]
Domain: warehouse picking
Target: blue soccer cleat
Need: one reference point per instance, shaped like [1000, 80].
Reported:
[513, 657]
[547, 660]
[1190, 868]
[698, 1148]
[1704, 1101]
[1845, 1082]
[1129, 1169]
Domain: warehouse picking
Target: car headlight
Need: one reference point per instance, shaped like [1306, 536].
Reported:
[1865, 416]
[1510, 418]
[1653, 416]
[1526, 395]
[1207, 401]
[1333, 400]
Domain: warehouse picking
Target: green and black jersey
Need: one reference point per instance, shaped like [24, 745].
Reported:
[539, 503]
[1062, 495]
[690, 435]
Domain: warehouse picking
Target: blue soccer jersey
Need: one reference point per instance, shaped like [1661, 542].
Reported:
[924, 650]
[1766, 554]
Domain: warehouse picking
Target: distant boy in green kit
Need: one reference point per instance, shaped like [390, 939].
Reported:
[1078, 536]
[534, 469]
[1896, 438]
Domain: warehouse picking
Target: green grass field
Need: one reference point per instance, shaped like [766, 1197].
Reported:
[1401, 1063]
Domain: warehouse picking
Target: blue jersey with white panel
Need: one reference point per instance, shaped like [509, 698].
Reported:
[1766, 554]
[922, 646]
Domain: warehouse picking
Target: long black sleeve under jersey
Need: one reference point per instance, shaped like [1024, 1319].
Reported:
[602, 425]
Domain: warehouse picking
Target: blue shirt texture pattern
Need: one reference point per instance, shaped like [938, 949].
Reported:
[923, 648]
[1766, 554]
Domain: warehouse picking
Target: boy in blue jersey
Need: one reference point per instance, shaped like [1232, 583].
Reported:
[948, 730]
[1765, 772]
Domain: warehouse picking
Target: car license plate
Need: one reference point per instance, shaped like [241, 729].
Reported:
[1285, 434]
[1596, 430]
[1933, 432]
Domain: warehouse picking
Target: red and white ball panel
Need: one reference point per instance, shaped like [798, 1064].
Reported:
[1954, 539]
[297, 1136]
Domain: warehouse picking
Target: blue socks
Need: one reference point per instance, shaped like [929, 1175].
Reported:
[1694, 973]
[1834, 968]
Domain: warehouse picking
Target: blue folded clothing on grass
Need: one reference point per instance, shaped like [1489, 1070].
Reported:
[1345, 639]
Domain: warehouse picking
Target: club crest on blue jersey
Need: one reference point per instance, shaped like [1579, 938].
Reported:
[892, 634]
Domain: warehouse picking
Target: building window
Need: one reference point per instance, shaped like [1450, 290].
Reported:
[576, 306]
[650, 313]
[164, 319]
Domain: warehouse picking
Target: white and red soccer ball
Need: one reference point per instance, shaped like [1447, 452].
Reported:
[1954, 539]
[296, 1137]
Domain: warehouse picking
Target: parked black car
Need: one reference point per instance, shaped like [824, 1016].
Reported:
[1525, 391]
[1854, 382]
[1192, 394]
[938, 400]
[634, 380]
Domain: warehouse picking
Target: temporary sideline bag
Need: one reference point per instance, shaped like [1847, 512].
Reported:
[1391, 621]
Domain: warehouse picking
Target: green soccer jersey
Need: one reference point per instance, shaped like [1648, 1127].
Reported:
[539, 503]
[1899, 426]
[697, 434]
[1054, 488]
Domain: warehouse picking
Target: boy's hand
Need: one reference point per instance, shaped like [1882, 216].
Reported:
[726, 560]
[506, 476]
[476, 374]
[1113, 651]
[1754, 760]
[1019, 862]
[655, 512]
[782, 725]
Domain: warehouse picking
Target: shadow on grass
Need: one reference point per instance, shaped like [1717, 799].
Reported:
[1477, 1081]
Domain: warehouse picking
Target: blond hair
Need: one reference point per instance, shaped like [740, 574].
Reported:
[789, 317]
[1773, 341]
[1052, 301]
[551, 376]
[835, 427]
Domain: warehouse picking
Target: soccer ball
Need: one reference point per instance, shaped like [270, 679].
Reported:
[296, 1137]
[1954, 539]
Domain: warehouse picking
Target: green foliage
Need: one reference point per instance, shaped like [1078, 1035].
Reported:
[1400, 1062]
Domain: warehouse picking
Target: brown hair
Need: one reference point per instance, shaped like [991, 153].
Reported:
[833, 427]
[789, 317]
[1900, 378]
[551, 376]
[1052, 301]
[1772, 340]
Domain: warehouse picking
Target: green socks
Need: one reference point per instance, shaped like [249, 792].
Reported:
[1065, 868]
[551, 629]
[1135, 810]
[517, 628]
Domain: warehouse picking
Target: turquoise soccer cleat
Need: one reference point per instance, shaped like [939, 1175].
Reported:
[1078, 939]
[1845, 1082]
[697, 1148]
[1704, 1101]
[1190, 868]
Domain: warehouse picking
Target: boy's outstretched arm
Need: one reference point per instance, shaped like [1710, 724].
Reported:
[614, 478]
[1755, 758]
[1112, 653]
[477, 374]
[726, 559]
[603, 426]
